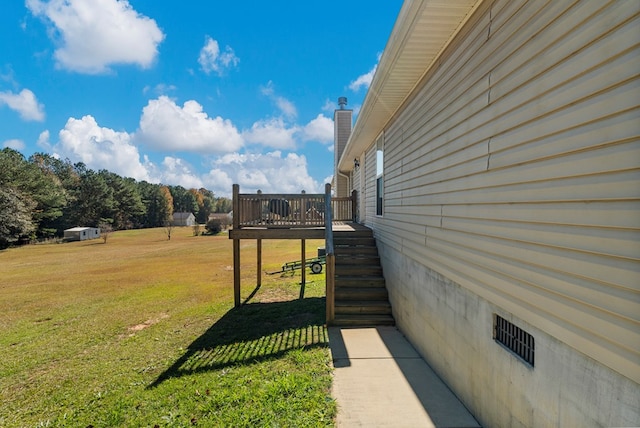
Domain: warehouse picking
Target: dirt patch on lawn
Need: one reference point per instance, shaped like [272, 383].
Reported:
[148, 323]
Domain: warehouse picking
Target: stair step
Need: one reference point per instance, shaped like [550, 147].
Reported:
[354, 250]
[362, 307]
[362, 269]
[360, 281]
[350, 242]
[361, 293]
[364, 233]
[357, 259]
[360, 320]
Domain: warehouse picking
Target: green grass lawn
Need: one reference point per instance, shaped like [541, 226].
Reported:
[141, 331]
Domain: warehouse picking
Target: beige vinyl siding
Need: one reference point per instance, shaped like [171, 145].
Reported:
[514, 170]
[370, 186]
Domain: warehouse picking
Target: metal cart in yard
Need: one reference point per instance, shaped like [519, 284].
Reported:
[314, 264]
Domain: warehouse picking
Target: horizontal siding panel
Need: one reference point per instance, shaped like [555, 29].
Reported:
[578, 111]
[399, 206]
[550, 138]
[446, 125]
[568, 107]
[615, 157]
[593, 188]
[420, 180]
[567, 48]
[617, 215]
[413, 219]
[553, 176]
[599, 241]
[446, 156]
[404, 233]
[466, 162]
[621, 273]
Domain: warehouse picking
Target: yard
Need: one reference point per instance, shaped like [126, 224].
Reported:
[141, 331]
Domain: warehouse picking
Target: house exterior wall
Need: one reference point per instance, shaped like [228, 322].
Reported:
[512, 187]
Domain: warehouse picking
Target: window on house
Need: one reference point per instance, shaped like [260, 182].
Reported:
[379, 174]
[514, 338]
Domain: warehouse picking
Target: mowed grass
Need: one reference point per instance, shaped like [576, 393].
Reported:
[141, 331]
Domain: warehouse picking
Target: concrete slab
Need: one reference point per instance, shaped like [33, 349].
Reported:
[381, 381]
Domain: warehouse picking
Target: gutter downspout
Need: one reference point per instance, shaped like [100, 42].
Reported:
[348, 181]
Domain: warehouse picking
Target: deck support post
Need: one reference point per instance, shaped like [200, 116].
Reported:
[236, 272]
[236, 245]
[304, 266]
[259, 259]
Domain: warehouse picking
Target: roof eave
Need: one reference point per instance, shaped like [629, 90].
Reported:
[400, 70]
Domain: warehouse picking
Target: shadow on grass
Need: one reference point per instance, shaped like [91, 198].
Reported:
[252, 333]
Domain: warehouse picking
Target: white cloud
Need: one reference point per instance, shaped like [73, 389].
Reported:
[25, 103]
[93, 35]
[159, 89]
[286, 107]
[14, 144]
[363, 80]
[166, 126]
[319, 129]
[329, 106]
[270, 172]
[211, 59]
[100, 148]
[278, 134]
[43, 140]
[177, 171]
[272, 133]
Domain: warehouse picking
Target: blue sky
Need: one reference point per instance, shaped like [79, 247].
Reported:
[199, 93]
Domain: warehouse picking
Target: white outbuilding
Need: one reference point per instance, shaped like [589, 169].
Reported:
[81, 233]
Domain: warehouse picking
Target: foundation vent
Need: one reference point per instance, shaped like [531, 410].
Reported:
[514, 338]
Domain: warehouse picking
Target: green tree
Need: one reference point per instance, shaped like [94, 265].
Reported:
[183, 200]
[38, 185]
[223, 205]
[15, 216]
[127, 207]
[94, 199]
[157, 208]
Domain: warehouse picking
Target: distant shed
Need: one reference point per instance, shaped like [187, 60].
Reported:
[184, 219]
[81, 233]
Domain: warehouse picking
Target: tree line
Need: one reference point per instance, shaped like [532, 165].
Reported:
[42, 196]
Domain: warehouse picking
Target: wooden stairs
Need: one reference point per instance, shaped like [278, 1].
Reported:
[361, 297]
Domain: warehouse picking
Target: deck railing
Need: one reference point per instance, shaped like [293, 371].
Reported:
[267, 211]
[292, 210]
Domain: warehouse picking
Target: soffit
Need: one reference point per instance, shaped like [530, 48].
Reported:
[421, 32]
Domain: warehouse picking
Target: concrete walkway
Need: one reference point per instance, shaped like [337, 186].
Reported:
[381, 381]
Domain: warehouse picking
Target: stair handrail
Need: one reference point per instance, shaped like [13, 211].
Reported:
[330, 257]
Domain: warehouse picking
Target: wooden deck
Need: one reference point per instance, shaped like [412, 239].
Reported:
[292, 216]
